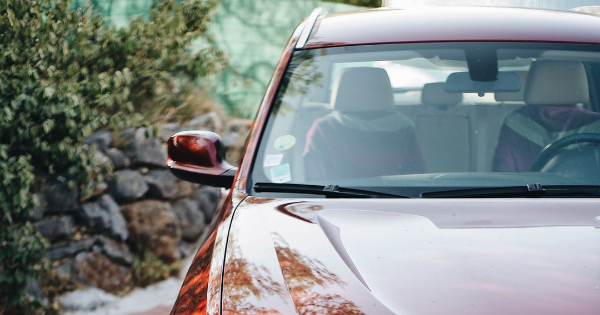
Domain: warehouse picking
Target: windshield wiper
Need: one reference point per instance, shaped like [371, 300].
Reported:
[329, 191]
[528, 191]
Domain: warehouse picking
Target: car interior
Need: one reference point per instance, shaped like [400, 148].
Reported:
[456, 132]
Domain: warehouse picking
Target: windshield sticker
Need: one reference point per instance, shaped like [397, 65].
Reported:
[273, 160]
[281, 174]
[284, 142]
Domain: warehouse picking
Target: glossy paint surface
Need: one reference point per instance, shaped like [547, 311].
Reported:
[454, 24]
[502, 256]
[201, 289]
[197, 152]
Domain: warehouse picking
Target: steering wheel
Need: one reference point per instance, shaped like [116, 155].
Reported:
[548, 152]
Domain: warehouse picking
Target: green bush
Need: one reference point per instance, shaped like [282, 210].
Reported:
[149, 268]
[64, 74]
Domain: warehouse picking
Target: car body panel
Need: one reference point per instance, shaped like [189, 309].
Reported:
[201, 289]
[509, 256]
[450, 24]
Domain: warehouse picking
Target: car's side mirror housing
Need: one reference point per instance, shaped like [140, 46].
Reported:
[199, 157]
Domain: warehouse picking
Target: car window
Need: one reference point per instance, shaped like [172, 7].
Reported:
[420, 116]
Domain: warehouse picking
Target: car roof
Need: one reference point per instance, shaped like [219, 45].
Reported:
[453, 24]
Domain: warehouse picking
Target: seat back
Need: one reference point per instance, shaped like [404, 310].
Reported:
[556, 83]
[362, 89]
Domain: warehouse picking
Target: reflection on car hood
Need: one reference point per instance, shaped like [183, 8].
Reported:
[519, 256]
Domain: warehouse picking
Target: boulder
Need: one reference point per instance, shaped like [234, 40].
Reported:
[153, 225]
[56, 228]
[95, 216]
[96, 270]
[98, 189]
[65, 270]
[169, 129]
[164, 185]
[102, 160]
[211, 122]
[234, 138]
[142, 150]
[103, 215]
[118, 252]
[59, 197]
[118, 158]
[36, 290]
[127, 185]
[191, 218]
[102, 138]
[64, 250]
[208, 199]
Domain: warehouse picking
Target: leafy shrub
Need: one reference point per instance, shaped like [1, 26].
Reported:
[150, 268]
[64, 74]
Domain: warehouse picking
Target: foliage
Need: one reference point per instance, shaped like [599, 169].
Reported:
[361, 3]
[150, 268]
[64, 74]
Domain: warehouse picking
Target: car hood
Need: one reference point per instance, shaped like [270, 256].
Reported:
[497, 256]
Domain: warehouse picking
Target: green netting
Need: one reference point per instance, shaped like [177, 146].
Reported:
[253, 33]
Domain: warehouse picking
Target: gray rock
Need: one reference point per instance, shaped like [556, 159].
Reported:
[104, 215]
[38, 211]
[59, 198]
[95, 216]
[211, 121]
[35, 289]
[118, 252]
[118, 226]
[143, 150]
[65, 270]
[97, 270]
[127, 185]
[56, 228]
[60, 251]
[153, 225]
[86, 299]
[102, 138]
[191, 218]
[164, 185]
[101, 160]
[208, 198]
[118, 158]
[169, 129]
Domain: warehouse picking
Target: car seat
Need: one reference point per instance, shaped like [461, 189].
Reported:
[554, 95]
[363, 136]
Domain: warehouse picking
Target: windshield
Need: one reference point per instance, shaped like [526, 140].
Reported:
[412, 118]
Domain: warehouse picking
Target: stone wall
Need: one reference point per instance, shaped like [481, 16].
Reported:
[140, 207]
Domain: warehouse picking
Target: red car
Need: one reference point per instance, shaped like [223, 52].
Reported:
[421, 161]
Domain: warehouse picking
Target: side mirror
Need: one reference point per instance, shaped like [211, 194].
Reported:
[199, 157]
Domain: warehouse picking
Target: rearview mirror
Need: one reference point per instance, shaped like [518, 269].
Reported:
[460, 82]
[199, 157]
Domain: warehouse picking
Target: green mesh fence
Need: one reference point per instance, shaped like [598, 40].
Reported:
[253, 34]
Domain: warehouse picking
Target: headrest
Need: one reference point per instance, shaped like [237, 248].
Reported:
[360, 89]
[556, 83]
[518, 96]
[434, 94]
